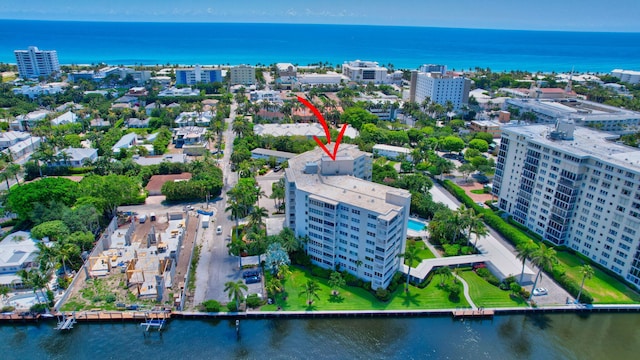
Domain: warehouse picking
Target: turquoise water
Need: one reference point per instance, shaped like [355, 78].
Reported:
[415, 225]
[405, 47]
[561, 336]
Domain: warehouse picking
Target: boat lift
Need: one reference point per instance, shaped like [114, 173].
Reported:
[66, 322]
[156, 321]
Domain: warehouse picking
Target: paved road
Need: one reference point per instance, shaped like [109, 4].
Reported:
[216, 266]
[557, 295]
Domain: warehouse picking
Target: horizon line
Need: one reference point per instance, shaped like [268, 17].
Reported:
[321, 24]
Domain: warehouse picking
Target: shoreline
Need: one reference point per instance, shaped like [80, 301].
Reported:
[458, 313]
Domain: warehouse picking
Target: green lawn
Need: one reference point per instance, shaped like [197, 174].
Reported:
[478, 191]
[484, 294]
[604, 288]
[354, 298]
[423, 254]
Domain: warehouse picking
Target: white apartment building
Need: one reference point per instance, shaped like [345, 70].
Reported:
[350, 222]
[581, 112]
[439, 88]
[34, 62]
[243, 75]
[365, 71]
[574, 187]
[198, 74]
[630, 76]
[268, 95]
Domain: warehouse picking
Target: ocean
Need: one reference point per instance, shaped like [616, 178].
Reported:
[405, 47]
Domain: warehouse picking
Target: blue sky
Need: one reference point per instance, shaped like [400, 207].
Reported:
[583, 15]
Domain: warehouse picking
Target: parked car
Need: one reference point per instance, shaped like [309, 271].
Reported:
[540, 291]
[252, 280]
[250, 273]
[219, 230]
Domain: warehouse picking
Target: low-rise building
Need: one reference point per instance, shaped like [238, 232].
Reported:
[179, 92]
[490, 127]
[191, 139]
[268, 95]
[194, 118]
[126, 142]
[28, 121]
[76, 157]
[24, 148]
[581, 112]
[66, 118]
[157, 160]
[138, 123]
[392, 152]
[40, 89]
[266, 154]
[18, 251]
[9, 138]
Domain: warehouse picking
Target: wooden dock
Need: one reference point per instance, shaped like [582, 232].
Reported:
[475, 313]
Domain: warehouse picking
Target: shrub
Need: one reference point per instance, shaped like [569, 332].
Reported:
[231, 306]
[39, 308]
[454, 292]
[524, 293]
[253, 301]
[212, 306]
[451, 249]
[483, 272]
[383, 294]
[320, 272]
[109, 298]
[97, 298]
[7, 309]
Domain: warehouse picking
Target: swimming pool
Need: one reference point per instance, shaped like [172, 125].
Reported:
[416, 225]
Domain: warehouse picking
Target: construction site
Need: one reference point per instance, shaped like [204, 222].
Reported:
[143, 262]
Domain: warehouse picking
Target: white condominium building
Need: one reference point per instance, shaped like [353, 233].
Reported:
[629, 76]
[243, 75]
[574, 187]
[198, 74]
[365, 71]
[34, 62]
[350, 222]
[439, 88]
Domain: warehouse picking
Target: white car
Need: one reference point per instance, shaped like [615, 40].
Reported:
[219, 230]
[540, 291]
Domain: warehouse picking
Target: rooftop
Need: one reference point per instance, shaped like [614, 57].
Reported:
[585, 143]
[341, 188]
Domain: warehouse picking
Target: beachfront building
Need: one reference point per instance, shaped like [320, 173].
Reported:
[34, 62]
[628, 76]
[365, 71]
[18, 251]
[574, 187]
[243, 75]
[439, 88]
[350, 222]
[198, 74]
[392, 152]
[581, 112]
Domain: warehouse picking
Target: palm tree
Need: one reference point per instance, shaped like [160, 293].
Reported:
[525, 250]
[479, 229]
[445, 273]
[236, 211]
[543, 258]
[587, 273]
[257, 215]
[258, 192]
[235, 291]
[274, 286]
[411, 256]
[310, 289]
[290, 243]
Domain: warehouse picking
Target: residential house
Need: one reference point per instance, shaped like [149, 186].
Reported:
[76, 157]
[18, 251]
[138, 123]
[193, 118]
[280, 156]
[392, 152]
[66, 118]
[126, 142]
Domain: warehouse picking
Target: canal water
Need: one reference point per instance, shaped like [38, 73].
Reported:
[552, 336]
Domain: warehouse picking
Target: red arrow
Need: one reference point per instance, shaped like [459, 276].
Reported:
[321, 119]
